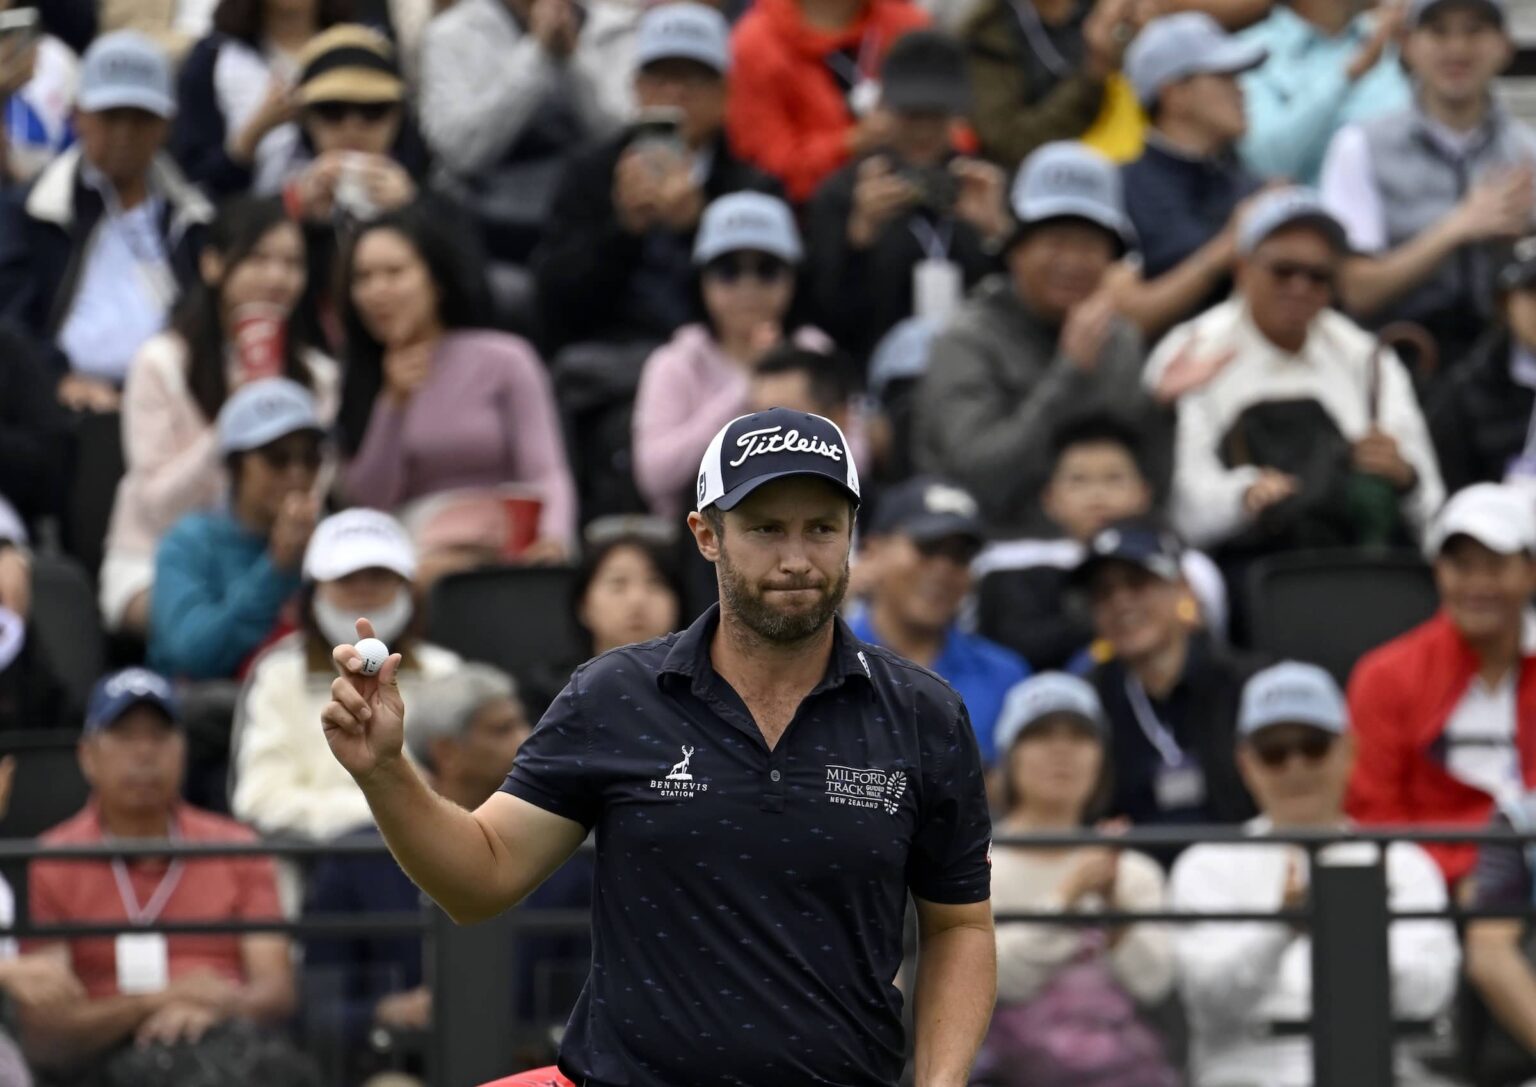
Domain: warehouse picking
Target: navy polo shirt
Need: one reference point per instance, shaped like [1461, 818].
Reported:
[748, 904]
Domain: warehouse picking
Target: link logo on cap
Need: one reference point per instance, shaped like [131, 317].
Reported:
[769, 445]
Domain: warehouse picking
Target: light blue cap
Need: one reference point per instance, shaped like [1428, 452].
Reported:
[126, 70]
[1070, 180]
[1186, 44]
[1292, 693]
[264, 411]
[1044, 695]
[748, 221]
[686, 31]
[1273, 211]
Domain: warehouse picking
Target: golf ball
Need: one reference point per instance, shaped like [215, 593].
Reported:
[375, 653]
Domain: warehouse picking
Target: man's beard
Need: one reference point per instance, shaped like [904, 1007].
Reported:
[746, 603]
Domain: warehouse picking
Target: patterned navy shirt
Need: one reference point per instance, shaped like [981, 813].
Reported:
[748, 908]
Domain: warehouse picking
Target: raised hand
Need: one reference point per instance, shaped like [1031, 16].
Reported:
[365, 719]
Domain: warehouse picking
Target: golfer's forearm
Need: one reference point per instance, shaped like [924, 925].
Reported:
[445, 850]
[956, 987]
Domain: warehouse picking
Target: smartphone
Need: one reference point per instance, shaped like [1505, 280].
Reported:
[659, 134]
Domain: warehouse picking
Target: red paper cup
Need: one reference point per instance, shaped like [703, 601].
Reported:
[522, 516]
[261, 340]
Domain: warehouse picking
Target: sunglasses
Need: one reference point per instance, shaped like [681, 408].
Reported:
[733, 266]
[1274, 752]
[282, 457]
[1316, 276]
[333, 113]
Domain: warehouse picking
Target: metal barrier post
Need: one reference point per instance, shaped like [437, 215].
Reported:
[472, 1001]
[1351, 970]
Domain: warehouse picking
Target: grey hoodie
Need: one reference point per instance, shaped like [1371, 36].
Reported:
[996, 387]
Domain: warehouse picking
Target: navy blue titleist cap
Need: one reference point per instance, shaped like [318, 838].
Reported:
[767, 445]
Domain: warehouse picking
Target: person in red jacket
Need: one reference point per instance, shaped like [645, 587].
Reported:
[1446, 714]
[804, 97]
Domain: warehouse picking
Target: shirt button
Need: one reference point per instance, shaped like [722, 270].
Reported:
[774, 775]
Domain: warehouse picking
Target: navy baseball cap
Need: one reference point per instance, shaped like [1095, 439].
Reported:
[1420, 10]
[928, 509]
[774, 444]
[116, 694]
[1137, 542]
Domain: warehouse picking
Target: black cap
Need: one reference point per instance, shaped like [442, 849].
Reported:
[925, 72]
[1136, 541]
[767, 445]
[928, 509]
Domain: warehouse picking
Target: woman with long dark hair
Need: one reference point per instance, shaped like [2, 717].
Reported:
[434, 401]
[234, 325]
[234, 128]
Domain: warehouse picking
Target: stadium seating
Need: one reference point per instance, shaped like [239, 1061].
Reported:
[515, 617]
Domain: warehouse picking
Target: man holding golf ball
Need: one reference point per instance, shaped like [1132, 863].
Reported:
[766, 790]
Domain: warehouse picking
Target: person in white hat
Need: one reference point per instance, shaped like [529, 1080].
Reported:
[1248, 987]
[1446, 713]
[283, 780]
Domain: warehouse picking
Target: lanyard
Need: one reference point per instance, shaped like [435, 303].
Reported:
[851, 72]
[1039, 42]
[146, 914]
[1152, 727]
[935, 242]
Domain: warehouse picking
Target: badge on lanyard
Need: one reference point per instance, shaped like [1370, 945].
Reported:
[1179, 780]
[937, 287]
[144, 958]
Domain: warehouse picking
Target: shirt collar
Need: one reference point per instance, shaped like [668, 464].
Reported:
[689, 655]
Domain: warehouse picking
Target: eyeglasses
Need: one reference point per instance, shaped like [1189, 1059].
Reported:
[282, 457]
[333, 113]
[1317, 276]
[1274, 751]
[733, 266]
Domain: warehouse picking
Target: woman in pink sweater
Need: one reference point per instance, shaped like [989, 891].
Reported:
[235, 325]
[432, 402]
[747, 253]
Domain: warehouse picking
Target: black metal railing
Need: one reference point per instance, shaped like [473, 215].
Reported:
[1346, 914]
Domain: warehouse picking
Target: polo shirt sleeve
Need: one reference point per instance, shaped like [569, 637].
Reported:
[950, 862]
[555, 768]
[255, 880]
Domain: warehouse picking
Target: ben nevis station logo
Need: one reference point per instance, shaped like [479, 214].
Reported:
[678, 783]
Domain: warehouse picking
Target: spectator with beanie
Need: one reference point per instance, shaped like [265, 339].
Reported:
[464, 736]
[1484, 418]
[235, 132]
[614, 261]
[1052, 741]
[157, 1008]
[508, 89]
[910, 227]
[237, 323]
[1028, 346]
[1446, 713]
[916, 555]
[1170, 691]
[1183, 194]
[94, 252]
[283, 780]
[1098, 476]
[1428, 191]
[432, 400]
[1330, 64]
[1300, 428]
[805, 96]
[221, 577]
[1043, 70]
[1248, 987]
[746, 256]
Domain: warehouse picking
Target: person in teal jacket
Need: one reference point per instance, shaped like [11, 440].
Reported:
[1331, 63]
[223, 576]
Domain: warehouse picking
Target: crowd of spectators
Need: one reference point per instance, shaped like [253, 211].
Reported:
[1119, 304]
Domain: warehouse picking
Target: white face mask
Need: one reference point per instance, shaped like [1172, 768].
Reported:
[389, 622]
